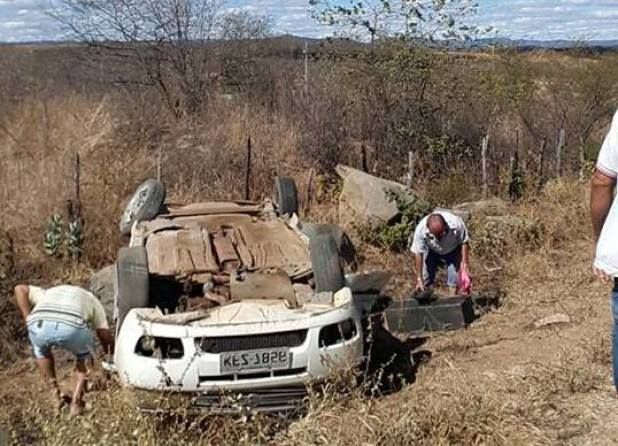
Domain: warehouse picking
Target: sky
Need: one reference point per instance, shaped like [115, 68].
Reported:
[26, 20]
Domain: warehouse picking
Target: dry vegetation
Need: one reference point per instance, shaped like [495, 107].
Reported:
[499, 382]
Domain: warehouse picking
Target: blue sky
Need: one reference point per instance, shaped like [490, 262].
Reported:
[25, 20]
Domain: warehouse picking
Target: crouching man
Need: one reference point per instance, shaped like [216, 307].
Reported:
[62, 317]
[440, 238]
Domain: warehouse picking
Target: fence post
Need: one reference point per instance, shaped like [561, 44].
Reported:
[248, 169]
[484, 143]
[541, 162]
[559, 148]
[410, 178]
[160, 162]
[306, 77]
[76, 221]
[582, 159]
[364, 165]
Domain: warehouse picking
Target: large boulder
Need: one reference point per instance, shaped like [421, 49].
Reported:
[365, 199]
[491, 206]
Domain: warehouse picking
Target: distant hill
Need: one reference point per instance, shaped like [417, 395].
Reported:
[292, 41]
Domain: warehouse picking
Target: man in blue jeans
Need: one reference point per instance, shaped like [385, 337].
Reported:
[62, 317]
[440, 239]
[604, 213]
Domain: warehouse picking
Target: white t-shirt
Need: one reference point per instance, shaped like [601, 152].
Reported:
[66, 303]
[424, 240]
[607, 248]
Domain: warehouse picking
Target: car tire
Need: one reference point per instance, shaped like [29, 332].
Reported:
[102, 285]
[345, 247]
[144, 204]
[132, 282]
[326, 264]
[285, 196]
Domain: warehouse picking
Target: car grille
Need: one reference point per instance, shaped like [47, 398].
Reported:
[279, 399]
[251, 342]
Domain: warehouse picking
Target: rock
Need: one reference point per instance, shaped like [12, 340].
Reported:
[364, 198]
[491, 206]
[465, 215]
[102, 286]
[558, 318]
[367, 281]
[506, 220]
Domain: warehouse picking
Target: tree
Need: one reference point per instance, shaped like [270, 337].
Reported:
[405, 19]
[241, 25]
[164, 44]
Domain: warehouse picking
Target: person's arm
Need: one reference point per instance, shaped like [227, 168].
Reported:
[107, 340]
[22, 301]
[601, 196]
[465, 257]
[418, 270]
[418, 247]
[99, 320]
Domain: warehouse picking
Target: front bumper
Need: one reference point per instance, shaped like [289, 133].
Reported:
[198, 372]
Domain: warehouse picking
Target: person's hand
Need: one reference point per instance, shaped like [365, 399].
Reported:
[420, 286]
[466, 268]
[601, 275]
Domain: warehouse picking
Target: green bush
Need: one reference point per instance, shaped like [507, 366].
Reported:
[395, 236]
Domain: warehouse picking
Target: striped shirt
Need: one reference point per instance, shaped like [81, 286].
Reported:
[66, 303]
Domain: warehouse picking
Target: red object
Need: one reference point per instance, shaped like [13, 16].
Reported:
[464, 285]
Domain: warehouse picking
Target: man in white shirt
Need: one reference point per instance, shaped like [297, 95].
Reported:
[440, 238]
[63, 317]
[604, 213]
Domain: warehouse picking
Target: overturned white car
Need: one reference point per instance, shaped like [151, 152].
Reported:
[233, 296]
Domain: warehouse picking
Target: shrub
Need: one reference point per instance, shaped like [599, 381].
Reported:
[395, 236]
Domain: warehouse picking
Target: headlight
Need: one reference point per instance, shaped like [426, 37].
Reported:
[160, 348]
[337, 333]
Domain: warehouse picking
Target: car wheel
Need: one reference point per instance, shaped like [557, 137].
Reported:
[143, 205]
[345, 247]
[132, 284]
[285, 196]
[102, 286]
[327, 270]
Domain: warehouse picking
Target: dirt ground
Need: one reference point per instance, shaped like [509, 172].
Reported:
[501, 381]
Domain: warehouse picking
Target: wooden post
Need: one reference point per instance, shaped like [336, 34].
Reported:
[248, 170]
[160, 162]
[559, 148]
[582, 159]
[541, 163]
[410, 179]
[364, 165]
[309, 187]
[306, 77]
[484, 143]
[74, 210]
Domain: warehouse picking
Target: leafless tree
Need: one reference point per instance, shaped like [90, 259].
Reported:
[241, 25]
[161, 43]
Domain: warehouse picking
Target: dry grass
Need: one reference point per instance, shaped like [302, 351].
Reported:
[500, 382]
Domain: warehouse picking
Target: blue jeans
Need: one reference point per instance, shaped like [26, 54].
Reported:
[433, 261]
[615, 335]
[45, 334]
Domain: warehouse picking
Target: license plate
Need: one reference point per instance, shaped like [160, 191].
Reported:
[266, 359]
